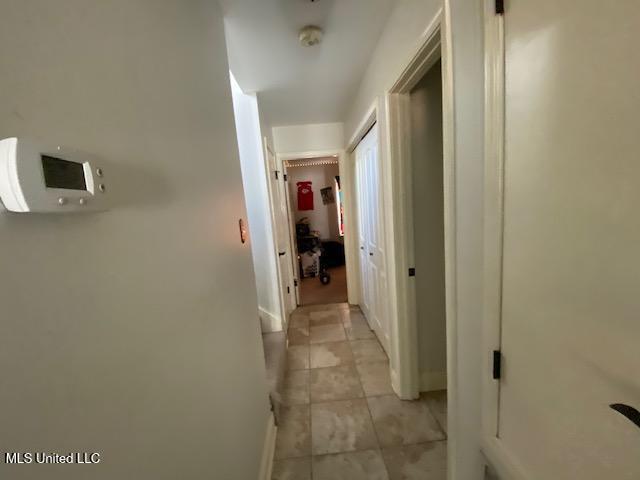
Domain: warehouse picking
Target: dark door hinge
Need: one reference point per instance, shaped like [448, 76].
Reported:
[412, 272]
[499, 7]
[295, 282]
[288, 289]
[285, 177]
[275, 172]
[273, 410]
[497, 364]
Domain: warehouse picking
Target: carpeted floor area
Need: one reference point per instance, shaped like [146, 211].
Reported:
[312, 292]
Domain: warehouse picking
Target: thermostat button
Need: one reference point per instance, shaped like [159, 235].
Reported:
[62, 201]
[99, 172]
[101, 187]
[82, 201]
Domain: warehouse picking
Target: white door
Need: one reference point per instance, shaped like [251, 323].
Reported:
[571, 273]
[293, 245]
[361, 186]
[372, 259]
[281, 225]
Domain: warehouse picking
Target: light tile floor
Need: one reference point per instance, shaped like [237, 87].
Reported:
[341, 419]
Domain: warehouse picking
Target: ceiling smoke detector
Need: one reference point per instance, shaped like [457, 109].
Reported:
[310, 35]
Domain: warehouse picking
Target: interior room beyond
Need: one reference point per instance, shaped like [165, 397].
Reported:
[316, 212]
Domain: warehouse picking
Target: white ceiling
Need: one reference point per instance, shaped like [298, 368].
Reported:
[297, 84]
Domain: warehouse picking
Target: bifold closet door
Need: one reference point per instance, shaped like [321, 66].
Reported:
[372, 261]
[361, 187]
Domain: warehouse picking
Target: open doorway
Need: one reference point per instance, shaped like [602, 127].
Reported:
[316, 215]
[420, 125]
[425, 100]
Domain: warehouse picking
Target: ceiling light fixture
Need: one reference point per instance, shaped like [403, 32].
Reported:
[310, 35]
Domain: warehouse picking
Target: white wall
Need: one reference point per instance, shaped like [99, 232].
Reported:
[428, 228]
[308, 138]
[401, 38]
[256, 194]
[323, 218]
[132, 332]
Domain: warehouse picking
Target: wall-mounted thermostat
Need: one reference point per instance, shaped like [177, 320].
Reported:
[39, 178]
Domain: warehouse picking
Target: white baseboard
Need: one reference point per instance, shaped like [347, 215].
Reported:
[395, 382]
[504, 464]
[269, 321]
[266, 463]
[408, 393]
[431, 381]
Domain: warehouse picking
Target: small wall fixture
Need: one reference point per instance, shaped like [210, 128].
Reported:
[310, 35]
[243, 231]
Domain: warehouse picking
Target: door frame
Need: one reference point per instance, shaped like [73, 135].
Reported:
[398, 212]
[497, 453]
[350, 242]
[274, 206]
[398, 109]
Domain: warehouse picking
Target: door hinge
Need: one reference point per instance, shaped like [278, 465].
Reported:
[285, 177]
[275, 172]
[295, 282]
[288, 289]
[273, 410]
[497, 364]
[499, 7]
[412, 272]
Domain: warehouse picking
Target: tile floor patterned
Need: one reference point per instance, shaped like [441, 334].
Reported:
[342, 419]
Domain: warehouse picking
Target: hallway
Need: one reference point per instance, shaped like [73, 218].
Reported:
[342, 419]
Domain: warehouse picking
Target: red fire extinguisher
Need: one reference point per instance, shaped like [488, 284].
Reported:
[305, 196]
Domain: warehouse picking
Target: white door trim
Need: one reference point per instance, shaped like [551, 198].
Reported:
[502, 461]
[363, 127]
[268, 449]
[493, 215]
[350, 240]
[284, 298]
[399, 134]
[497, 454]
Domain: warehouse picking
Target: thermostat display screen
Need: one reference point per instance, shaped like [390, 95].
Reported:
[60, 173]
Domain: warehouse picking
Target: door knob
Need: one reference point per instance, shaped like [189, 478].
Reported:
[628, 411]
[361, 248]
[371, 254]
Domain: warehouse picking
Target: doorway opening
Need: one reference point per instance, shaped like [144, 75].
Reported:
[421, 257]
[427, 218]
[315, 199]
